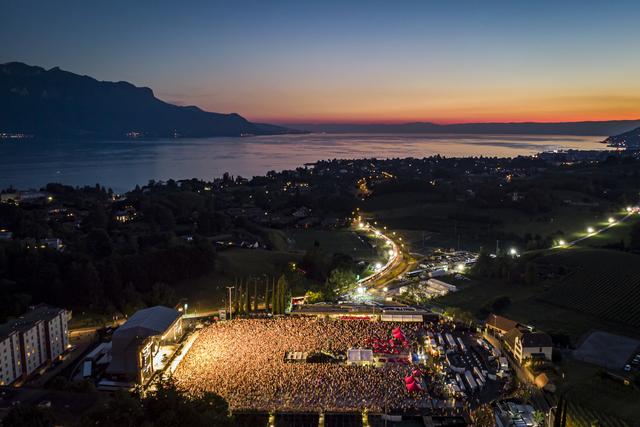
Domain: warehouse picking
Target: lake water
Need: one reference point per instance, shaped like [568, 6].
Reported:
[123, 164]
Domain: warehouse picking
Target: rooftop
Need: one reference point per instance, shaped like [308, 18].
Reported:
[502, 323]
[155, 320]
[28, 319]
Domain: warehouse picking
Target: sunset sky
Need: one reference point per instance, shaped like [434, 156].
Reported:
[373, 61]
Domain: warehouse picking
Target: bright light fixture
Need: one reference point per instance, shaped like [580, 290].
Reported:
[590, 230]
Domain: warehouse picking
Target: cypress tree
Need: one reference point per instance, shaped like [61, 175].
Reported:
[274, 298]
[236, 301]
[247, 297]
[255, 295]
[282, 284]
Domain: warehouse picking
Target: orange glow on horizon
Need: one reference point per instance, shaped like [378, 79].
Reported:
[337, 120]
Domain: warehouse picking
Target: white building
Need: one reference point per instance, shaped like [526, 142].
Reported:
[26, 344]
[138, 341]
[528, 345]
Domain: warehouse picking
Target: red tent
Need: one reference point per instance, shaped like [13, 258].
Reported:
[413, 387]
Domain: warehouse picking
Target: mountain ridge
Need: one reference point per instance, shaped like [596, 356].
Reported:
[629, 139]
[60, 104]
[588, 128]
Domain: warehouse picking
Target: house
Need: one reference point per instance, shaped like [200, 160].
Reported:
[302, 212]
[137, 342]
[498, 326]
[524, 344]
[54, 243]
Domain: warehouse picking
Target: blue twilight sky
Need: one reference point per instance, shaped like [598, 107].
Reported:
[340, 61]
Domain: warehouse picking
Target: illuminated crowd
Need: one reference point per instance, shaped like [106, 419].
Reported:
[243, 360]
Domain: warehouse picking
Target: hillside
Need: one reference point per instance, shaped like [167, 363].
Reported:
[59, 104]
[630, 139]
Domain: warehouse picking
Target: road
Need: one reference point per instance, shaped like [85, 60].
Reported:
[598, 231]
[396, 264]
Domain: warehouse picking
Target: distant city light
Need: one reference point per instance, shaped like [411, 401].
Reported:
[378, 266]
[385, 289]
[629, 208]
[590, 230]
[361, 290]
[513, 251]
[561, 242]
[391, 252]
[460, 267]
[611, 220]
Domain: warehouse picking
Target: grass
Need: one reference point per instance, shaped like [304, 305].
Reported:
[594, 397]
[621, 232]
[602, 293]
[444, 221]
[604, 284]
[334, 241]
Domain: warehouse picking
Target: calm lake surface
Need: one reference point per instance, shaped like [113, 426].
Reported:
[123, 164]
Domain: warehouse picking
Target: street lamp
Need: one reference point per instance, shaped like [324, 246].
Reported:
[513, 252]
[590, 230]
[561, 242]
[611, 220]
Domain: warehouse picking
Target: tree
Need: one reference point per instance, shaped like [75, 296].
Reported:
[279, 305]
[538, 418]
[99, 243]
[483, 416]
[165, 407]
[313, 297]
[267, 297]
[162, 294]
[340, 282]
[28, 416]
[247, 298]
[255, 295]
[459, 315]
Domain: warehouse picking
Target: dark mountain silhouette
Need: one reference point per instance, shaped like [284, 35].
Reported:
[629, 139]
[562, 128]
[59, 104]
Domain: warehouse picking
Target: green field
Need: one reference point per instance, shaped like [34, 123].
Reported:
[602, 292]
[334, 241]
[444, 221]
[604, 284]
[592, 397]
